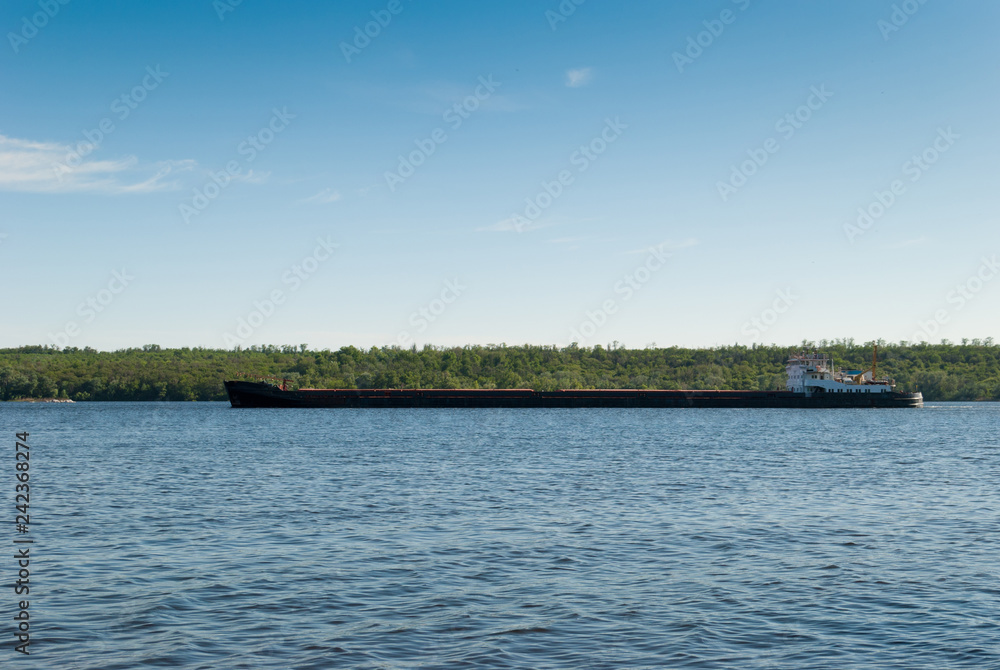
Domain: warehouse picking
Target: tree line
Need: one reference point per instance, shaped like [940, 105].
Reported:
[945, 371]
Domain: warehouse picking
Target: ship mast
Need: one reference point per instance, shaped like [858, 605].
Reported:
[875, 363]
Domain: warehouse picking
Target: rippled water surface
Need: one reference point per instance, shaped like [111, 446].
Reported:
[191, 535]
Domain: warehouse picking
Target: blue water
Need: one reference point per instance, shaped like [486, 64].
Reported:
[191, 535]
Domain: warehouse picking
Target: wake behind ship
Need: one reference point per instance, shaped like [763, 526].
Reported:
[812, 382]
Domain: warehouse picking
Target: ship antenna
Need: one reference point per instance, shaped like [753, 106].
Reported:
[875, 363]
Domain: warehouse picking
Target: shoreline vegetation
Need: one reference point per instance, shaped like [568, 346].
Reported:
[942, 372]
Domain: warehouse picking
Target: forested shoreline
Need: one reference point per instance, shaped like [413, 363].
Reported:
[946, 371]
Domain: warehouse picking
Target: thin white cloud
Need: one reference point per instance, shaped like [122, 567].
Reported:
[252, 177]
[578, 77]
[51, 167]
[577, 242]
[514, 224]
[505, 226]
[437, 97]
[327, 195]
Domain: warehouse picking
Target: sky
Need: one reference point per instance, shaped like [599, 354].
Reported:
[395, 172]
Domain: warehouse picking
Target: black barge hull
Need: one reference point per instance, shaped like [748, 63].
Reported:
[256, 394]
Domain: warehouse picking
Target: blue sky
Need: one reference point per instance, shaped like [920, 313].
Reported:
[681, 173]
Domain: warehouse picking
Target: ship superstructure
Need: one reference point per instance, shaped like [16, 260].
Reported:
[814, 373]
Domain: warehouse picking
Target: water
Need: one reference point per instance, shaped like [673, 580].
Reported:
[195, 536]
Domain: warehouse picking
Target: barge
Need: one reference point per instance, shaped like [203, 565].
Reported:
[812, 382]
